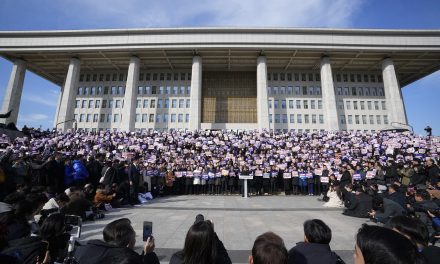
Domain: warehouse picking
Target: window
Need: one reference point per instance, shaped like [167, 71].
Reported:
[93, 91]
[338, 77]
[84, 104]
[369, 106]
[275, 104]
[319, 104]
[77, 103]
[342, 118]
[356, 118]
[378, 119]
[292, 118]
[90, 104]
[180, 118]
[121, 77]
[145, 103]
[173, 118]
[275, 76]
[284, 118]
[385, 119]
[82, 117]
[373, 91]
[104, 103]
[312, 104]
[355, 105]
[144, 118]
[182, 90]
[376, 105]
[313, 119]
[175, 90]
[381, 92]
[270, 118]
[153, 103]
[359, 78]
[181, 103]
[188, 90]
[153, 89]
[277, 117]
[159, 103]
[318, 77]
[321, 119]
[364, 119]
[282, 76]
[275, 90]
[348, 105]
[297, 90]
[161, 90]
[176, 76]
[289, 77]
[341, 104]
[269, 102]
[299, 118]
[187, 118]
[283, 104]
[298, 104]
[140, 89]
[303, 77]
[346, 91]
[118, 104]
[102, 118]
[290, 104]
[151, 118]
[114, 90]
[306, 104]
[371, 119]
[367, 91]
[86, 90]
[158, 118]
[167, 103]
[109, 118]
[173, 103]
[339, 90]
[95, 118]
[114, 77]
[97, 103]
[350, 119]
[137, 118]
[310, 89]
[99, 90]
[296, 75]
[351, 77]
[289, 90]
[362, 105]
[89, 118]
[384, 106]
[360, 91]
[282, 90]
[353, 91]
[345, 77]
[188, 103]
[138, 103]
[306, 119]
[304, 90]
[317, 90]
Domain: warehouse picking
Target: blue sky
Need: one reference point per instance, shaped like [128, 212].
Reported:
[40, 97]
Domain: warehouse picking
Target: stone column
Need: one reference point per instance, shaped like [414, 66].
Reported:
[12, 98]
[393, 93]
[129, 109]
[66, 108]
[196, 94]
[262, 104]
[55, 120]
[328, 96]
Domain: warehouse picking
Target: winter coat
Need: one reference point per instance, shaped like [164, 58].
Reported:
[305, 253]
[68, 175]
[81, 172]
[99, 252]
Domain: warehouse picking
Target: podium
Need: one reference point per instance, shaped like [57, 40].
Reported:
[245, 178]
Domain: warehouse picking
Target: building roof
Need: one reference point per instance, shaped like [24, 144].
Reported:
[416, 53]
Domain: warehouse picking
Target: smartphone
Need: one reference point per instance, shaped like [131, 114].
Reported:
[148, 230]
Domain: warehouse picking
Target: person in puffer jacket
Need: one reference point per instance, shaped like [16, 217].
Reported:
[81, 173]
[68, 173]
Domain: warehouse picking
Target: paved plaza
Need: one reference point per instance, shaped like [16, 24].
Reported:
[237, 221]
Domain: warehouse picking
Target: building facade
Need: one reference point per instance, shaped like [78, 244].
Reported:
[223, 78]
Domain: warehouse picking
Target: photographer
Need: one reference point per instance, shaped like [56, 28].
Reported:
[117, 247]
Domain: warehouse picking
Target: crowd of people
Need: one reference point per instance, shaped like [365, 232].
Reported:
[47, 174]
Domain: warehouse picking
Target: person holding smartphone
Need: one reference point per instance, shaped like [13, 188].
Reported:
[117, 247]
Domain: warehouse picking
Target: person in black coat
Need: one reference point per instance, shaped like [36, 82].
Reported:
[384, 209]
[359, 204]
[316, 246]
[117, 247]
[396, 196]
[433, 172]
[134, 178]
[202, 245]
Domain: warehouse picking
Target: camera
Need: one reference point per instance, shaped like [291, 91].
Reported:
[428, 130]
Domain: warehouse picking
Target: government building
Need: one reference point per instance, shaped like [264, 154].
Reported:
[282, 79]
